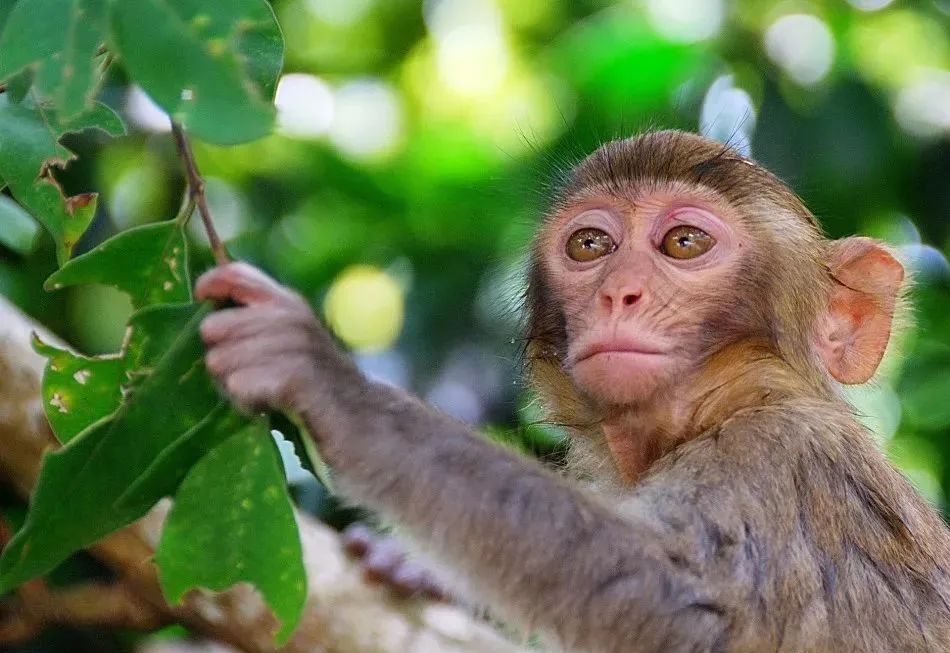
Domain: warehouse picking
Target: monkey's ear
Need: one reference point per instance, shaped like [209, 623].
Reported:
[857, 324]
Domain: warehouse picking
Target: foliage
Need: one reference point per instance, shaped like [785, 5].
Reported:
[148, 421]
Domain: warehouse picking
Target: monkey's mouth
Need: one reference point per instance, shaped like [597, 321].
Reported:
[620, 348]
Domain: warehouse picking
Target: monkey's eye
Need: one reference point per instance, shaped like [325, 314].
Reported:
[589, 244]
[684, 242]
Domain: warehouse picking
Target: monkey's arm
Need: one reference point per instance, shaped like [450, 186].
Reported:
[523, 538]
[528, 541]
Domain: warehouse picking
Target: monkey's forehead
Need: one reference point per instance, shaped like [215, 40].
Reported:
[671, 159]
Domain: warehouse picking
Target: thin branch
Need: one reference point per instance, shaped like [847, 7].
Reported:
[196, 190]
[89, 604]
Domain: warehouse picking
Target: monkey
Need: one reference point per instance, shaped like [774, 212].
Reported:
[690, 325]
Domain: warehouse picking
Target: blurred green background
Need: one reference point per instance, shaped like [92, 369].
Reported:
[417, 142]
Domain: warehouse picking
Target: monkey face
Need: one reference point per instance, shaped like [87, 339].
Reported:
[637, 281]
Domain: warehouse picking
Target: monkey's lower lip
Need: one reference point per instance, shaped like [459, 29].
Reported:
[618, 350]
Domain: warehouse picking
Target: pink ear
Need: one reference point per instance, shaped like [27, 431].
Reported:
[857, 324]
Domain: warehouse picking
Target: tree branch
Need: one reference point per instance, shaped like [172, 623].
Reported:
[196, 191]
[92, 604]
[343, 615]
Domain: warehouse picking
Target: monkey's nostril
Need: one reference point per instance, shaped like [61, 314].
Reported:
[628, 300]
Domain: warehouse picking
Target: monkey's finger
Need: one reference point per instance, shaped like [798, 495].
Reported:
[255, 388]
[239, 282]
[271, 349]
[408, 579]
[247, 322]
[382, 560]
[358, 539]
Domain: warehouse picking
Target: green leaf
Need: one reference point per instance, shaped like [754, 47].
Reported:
[294, 430]
[211, 65]
[213, 535]
[59, 38]
[19, 85]
[5, 8]
[166, 472]
[17, 229]
[149, 263]
[77, 390]
[152, 331]
[30, 149]
[73, 504]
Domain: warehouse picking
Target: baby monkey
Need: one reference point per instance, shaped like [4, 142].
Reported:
[690, 324]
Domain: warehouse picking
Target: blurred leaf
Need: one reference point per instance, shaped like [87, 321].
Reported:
[60, 39]
[237, 489]
[19, 85]
[150, 263]
[225, 59]
[77, 390]
[925, 390]
[5, 9]
[891, 47]
[30, 148]
[17, 229]
[628, 68]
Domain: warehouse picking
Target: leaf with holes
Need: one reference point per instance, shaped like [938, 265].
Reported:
[30, 149]
[149, 263]
[212, 537]
[227, 58]
[78, 390]
[73, 504]
[59, 40]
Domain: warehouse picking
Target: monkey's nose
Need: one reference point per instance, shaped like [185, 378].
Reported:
[617, 299]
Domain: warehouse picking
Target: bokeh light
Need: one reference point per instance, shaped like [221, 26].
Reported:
[367, 120]
[144, 113]
[305, 105]
[686, 20]
[471, 54]
[728, 115]
[802, 45]
[364, 308]
[869, 5]
[923, 106]
[892, 48]
[336, 12]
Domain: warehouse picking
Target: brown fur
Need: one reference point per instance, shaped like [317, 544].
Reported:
[768, 522]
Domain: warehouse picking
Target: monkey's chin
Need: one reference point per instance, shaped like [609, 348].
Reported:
[624, 378]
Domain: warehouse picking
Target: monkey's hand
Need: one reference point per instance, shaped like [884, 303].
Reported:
[385, 561]
[269, 351]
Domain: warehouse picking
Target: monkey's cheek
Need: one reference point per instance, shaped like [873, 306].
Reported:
[624, 377]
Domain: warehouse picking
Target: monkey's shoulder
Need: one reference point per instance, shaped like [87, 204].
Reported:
[799, 507]
[816, 456]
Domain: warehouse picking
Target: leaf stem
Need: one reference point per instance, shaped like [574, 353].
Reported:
[196, 191]
[186, 211]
